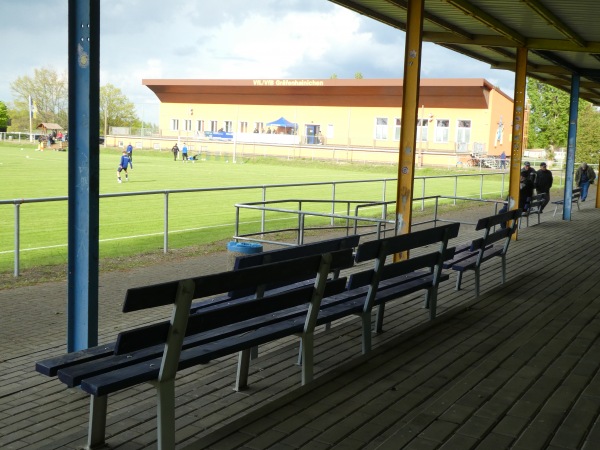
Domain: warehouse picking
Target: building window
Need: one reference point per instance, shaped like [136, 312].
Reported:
[422, 130]
[442, 128]
[228, 128]
[243, 127]
[258, 127]
[463, 132]
[174, 124]
[330, 131]
[188, 125]
[381, 128]
[397, 129]
[199, 126]
[213, 126]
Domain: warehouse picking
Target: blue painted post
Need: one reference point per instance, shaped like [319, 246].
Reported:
[84, 92]
[571, 143]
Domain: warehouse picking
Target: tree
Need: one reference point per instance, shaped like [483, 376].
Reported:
[588, 133]
[333, 76]
[548, 115]
[115, 109]
[358, 76]
[4, 117]
[49, 92]
[549, 122]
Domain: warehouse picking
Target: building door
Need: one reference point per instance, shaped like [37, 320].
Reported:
[312, 134]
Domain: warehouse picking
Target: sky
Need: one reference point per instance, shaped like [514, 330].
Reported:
[226, 39]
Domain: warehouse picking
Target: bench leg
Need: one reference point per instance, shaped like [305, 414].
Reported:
[366, 338]
[431, 301]
[503, 269]
[165, 416]
[476, 281]
[379, 318]
[307, 357]
[458, 280]
[299, 362]
[241, 381]
[254, 352]
[97, 425]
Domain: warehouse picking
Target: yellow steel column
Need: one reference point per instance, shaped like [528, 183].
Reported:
[410, 107]
[517, 129]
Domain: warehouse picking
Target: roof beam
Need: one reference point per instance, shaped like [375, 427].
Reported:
[500, 41]
[435, 20]
[477, 56]
[489, 21]
[557, 60]
[550, 70]
[554, 21]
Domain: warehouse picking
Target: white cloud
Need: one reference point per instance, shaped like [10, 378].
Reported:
[227, 39]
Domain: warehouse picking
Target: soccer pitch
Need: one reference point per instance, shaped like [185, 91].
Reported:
[135, 224]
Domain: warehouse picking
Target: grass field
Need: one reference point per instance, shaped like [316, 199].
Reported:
[135, 224]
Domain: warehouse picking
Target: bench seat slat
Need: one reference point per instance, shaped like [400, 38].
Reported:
[469, 263]
[135, 374]
[51, 366]
[72, 376]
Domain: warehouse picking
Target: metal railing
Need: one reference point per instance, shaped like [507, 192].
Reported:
[382, 225]
[265, 189]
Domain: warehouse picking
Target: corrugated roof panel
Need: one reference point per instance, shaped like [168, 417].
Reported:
[562, 37]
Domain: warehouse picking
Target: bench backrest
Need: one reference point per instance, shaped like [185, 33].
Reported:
[491, 234]
[576, 195]
[181, 293]
[379, 250]
[536, 202]
[273, 256]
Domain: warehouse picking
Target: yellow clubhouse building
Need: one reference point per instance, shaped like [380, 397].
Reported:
[357, 119]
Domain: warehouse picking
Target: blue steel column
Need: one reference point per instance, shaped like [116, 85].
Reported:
[571, 142]
[84, 92]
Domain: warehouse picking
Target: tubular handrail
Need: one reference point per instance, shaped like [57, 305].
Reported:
[262, 187]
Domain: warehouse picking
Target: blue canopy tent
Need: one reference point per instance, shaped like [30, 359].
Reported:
[282, 122]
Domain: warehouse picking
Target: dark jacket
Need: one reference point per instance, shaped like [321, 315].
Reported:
[591, 175]
[543, 181]
[525, 192]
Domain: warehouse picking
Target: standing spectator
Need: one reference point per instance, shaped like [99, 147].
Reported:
[543, 184]
[175, 150]
[503, 160]
[184, 152]
[123, 166]
[525, 193]
[130, 154]
[584, 176]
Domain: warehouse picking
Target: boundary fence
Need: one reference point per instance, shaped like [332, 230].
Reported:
[265, 189]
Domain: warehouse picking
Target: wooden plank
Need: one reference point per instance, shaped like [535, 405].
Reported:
[214, 284]
[398, 244]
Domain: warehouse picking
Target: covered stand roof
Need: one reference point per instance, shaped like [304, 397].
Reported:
[562, 38]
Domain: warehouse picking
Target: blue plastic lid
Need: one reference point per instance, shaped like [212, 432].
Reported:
[244, 247]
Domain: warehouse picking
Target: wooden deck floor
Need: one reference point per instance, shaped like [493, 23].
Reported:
[516, 368]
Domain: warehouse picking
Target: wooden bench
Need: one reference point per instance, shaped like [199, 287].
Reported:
[535, 204]
[473, 255]
[387, 280]
[575, 196]
[154, 353]
[283, 254]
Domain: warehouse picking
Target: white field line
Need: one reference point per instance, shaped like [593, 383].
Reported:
[139, 236]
